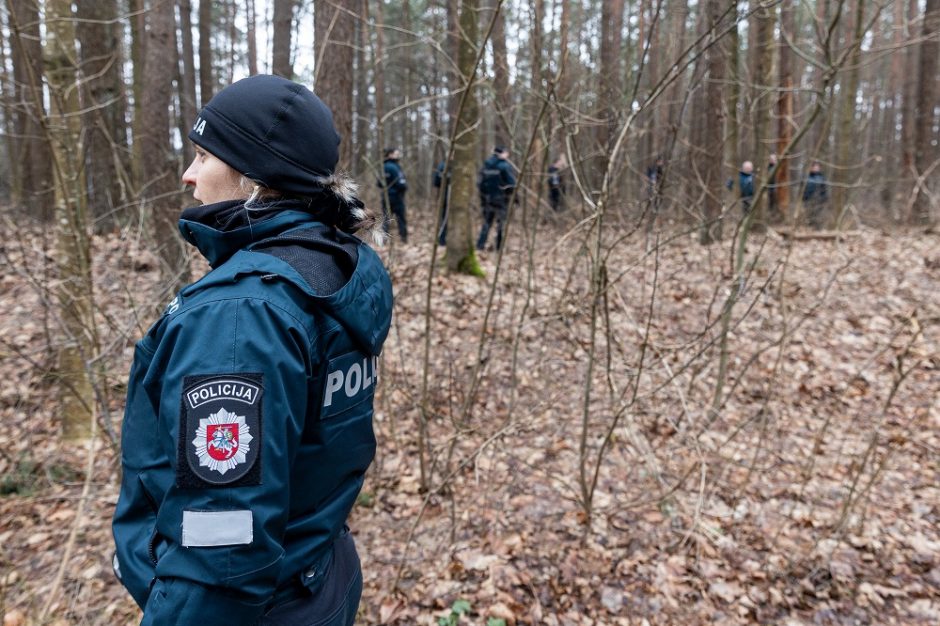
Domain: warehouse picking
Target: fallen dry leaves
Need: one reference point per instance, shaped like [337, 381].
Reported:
[806, 498]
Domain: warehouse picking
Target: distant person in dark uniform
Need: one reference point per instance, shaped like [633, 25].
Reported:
[438, 180]
[393, 192]
[496, 183]
[654, 181]
[815, 195]
[556, 185]
[745, 186]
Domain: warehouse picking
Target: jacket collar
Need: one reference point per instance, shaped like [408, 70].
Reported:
[220, 230]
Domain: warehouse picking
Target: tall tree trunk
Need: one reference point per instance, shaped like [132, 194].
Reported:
[98, 31]
[610, 78]
[138, 57]
[252, 36]
[283, 31]
[362, 93]
[905, 173]
[157, 159]
[187, 78]
[501, 77]
[34, 152]
[461, 255]
[732, 152]
[846, 143]
[714, 131]
[74, 290]
[7, 101]
[334, 26]
[763, 23]
[206, 71]
[924, 155]
[784, 109]
[454, 80]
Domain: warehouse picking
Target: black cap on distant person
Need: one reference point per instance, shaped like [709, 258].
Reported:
[500, 149]
[272, 130]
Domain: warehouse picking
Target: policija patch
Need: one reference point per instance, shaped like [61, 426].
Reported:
[220, 431]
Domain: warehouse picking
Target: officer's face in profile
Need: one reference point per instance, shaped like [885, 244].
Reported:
[212, 180]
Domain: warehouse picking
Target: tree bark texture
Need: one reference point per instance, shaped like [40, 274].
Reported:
[160, 187]
[74, 290]
[461, 255]
[846, 143]
[187, 82]
[335, 26]
[283, 24]
[206, 74]
[785, 122]
[926, 114]
[32, 146]
[714, 130]
[763, 103]
[98, 31]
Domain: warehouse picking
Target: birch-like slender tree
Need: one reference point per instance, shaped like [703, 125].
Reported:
[74, 289]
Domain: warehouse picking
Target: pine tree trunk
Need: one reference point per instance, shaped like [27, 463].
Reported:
[784, 110]
[187, 82]
[732, 152]
[34, 151]
[138, 23]
[503, 112]
[335, 29]
[281, 40]
[98, 31]
[206, 72]
[905, 183]
[846, 143]
[461, 255]
[926, 113]
[763, 23]
[158, 162]
[714, 131]
[252, 37]
[73, 261]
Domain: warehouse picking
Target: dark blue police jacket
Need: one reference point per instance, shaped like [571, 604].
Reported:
[496, 179]
[248, 426]
[394, 178]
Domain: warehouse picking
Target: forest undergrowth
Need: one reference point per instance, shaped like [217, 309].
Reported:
[784, 474]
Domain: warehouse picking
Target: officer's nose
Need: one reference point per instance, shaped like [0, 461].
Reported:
[189, 176]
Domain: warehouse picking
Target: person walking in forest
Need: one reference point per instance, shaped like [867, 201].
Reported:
[248, 426]
[496, 183]
[815, 195]
[745, 186]
[439, 179]
[393, 188]
[556, 186]
[654, 180]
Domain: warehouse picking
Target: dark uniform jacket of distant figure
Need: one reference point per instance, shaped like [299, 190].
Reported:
[815, 195]
[438, 180]
[815, 189]
[556, 188]
[248, 426]
[746, 189]
[396, 185]
[496, 183]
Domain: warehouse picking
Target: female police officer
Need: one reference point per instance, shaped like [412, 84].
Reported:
[248, 425]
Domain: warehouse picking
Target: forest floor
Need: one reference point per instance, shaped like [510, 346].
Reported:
[806, 490]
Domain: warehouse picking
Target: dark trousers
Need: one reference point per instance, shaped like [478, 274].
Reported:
[398, 209]
[493, 209]
[332, 600]
[555, 198]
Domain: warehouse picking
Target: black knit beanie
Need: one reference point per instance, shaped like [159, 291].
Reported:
[272, 130]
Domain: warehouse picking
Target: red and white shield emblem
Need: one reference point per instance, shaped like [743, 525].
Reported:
[222, 441]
